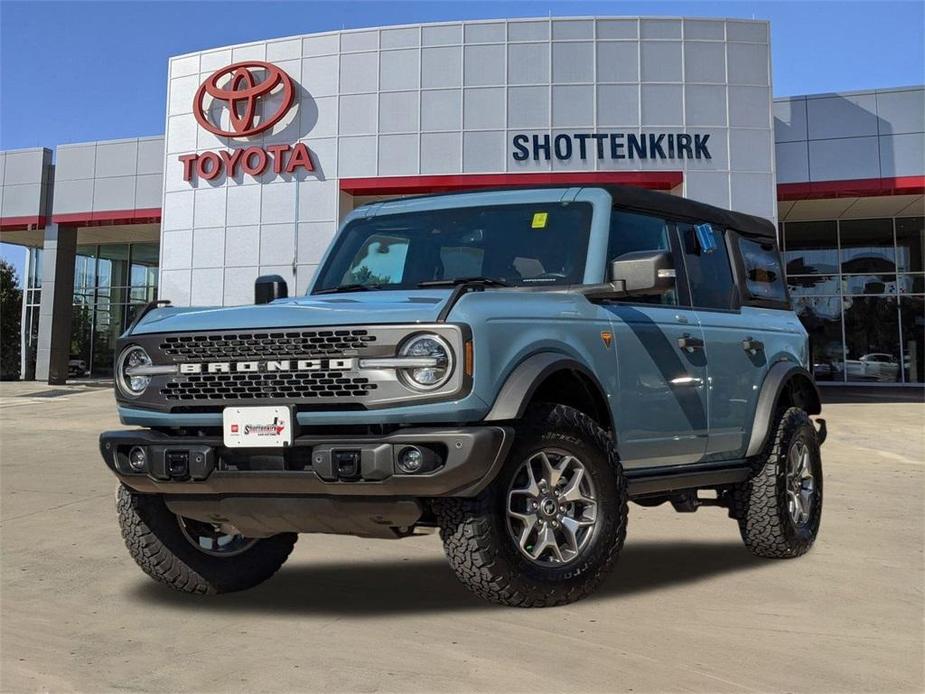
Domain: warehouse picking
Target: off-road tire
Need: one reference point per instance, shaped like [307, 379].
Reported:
[760, 504]
[154, 539]
[479, 547]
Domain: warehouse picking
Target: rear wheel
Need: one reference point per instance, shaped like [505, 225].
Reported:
[780, 508]
[550, 527]
[193, 556]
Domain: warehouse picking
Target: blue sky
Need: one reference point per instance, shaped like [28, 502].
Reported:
[78, 71]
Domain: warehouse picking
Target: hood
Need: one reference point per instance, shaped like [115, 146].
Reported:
[420, 306]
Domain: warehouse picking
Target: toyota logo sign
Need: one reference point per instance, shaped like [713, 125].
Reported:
[242, 86]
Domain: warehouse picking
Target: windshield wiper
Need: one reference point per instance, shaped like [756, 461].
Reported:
[461, 287]
[472, 281]
[349, 288]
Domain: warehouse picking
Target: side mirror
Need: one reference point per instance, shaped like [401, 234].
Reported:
[268, 288]
[643, 272]
[639, 272]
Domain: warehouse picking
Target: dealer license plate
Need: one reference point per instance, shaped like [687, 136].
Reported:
[257, 427]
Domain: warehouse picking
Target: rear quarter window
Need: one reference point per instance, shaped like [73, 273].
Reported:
[763, 272]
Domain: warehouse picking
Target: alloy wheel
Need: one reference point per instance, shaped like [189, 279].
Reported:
[551, 508]
[213, 538]
[801, 485]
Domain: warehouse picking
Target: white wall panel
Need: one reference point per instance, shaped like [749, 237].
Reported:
[842, 116]
[206, 287]
[618, 104]
[902, 155]
[835, 160]
[528, 63]
[792, 162]
[441, 67]
[661, 61]
[901, 111]
[441, 109]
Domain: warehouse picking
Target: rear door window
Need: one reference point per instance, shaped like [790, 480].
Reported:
[764, 276]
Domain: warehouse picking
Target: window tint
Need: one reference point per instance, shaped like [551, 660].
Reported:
[764, 278]
[522, 245]
[709, 273]
[630, 232]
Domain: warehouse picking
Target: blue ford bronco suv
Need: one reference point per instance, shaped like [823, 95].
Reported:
[510, 367]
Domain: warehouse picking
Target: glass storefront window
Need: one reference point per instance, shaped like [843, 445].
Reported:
[910, 244]
[877, 266]
[867, 246]
[112, 268]
[912, 323]
[801, 285]
[811, 248]
[821, 316]
[34, 273]
[85, 268]
[144, 265]
[81, 340]
[912, 284]
[872, 339]
[869, 284]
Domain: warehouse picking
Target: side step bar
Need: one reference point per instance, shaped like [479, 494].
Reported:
[657, 480]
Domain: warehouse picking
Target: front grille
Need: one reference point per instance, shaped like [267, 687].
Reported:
[266, 386]
[276, 345]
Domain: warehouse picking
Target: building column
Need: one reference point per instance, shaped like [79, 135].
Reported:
[54, 345]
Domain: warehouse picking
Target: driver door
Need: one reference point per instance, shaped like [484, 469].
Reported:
[662, 402]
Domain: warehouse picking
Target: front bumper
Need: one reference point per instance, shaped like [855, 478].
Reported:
[464, 461]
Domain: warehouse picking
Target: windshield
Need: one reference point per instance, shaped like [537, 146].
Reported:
[517, 245]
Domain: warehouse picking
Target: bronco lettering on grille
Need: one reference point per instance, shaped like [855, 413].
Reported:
[225, 367]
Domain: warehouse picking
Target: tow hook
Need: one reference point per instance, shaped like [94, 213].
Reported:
[822, 431]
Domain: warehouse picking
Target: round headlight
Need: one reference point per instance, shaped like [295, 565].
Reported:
[427, 346]
[131, 384]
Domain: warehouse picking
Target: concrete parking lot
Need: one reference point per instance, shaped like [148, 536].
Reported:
[688, 609]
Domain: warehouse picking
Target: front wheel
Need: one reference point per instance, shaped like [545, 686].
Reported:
[780, 508]
[550, 527]
[192, 556]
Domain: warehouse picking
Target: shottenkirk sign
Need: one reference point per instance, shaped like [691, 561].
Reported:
[611, 145]
[242, 87]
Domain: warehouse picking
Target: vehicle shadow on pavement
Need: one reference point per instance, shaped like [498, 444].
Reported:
[427, 585]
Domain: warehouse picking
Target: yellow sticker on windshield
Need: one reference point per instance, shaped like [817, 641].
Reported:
[539, 220]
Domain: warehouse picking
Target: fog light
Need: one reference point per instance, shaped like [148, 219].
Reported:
[137, 460]
[410, 460]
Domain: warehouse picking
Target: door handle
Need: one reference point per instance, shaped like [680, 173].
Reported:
[690, 344]
[752, 346]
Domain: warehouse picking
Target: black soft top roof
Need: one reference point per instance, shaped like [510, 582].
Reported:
[676, 206]
[660, 203]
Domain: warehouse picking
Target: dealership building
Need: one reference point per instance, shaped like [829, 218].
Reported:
[268, 145]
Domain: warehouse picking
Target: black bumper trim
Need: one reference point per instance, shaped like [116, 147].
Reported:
[473, 457]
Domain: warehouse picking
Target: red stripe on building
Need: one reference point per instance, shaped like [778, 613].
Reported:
[22, 223]
[857, 188]
[149, 215]
[407, 185]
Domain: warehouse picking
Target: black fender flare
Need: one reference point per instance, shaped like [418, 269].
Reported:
[780, 376]
[522, 383]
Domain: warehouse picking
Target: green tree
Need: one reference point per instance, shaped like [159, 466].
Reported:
[10, 317]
